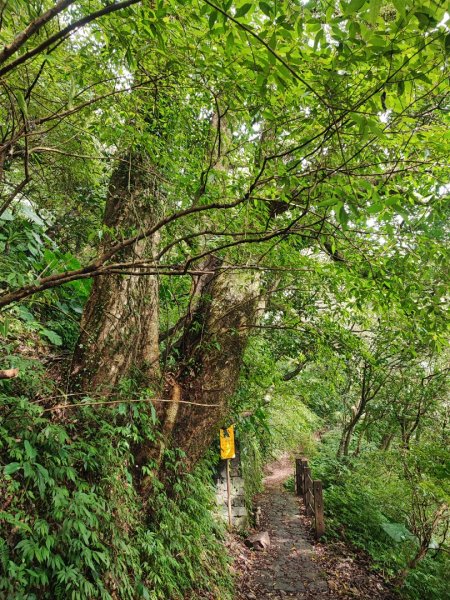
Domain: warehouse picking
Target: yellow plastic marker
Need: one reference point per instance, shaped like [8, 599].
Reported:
[227, 452]
[227, 443]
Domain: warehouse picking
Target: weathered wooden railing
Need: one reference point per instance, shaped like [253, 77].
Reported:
[311, 491]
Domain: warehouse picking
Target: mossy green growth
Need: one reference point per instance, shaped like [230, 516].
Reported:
[72, 525]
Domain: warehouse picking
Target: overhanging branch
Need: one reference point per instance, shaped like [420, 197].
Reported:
[65, 32]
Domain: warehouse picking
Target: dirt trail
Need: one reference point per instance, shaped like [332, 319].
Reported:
[287, 569]
[295, 566]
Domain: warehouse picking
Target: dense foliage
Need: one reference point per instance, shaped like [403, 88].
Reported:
[72, 524]
[370, 406]
[393, 505]
[268, 170]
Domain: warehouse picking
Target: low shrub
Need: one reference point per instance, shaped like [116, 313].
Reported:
[376, 502]
[72, 525]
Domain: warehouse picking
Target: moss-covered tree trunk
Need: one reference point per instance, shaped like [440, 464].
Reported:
[211, 354]
[119, 327]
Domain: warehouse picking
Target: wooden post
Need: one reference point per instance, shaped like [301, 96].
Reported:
[304, 485]
[318, 508]
[304, 463]
[304, 466]
[298, 476]
[230, 517]
[307, 490]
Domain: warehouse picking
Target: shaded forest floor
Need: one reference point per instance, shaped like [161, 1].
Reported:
[295, 565]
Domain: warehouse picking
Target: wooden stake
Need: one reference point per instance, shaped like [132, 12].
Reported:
[298, 476]
[230, 518]
[307, 491]
[304, 463]
[318, 509]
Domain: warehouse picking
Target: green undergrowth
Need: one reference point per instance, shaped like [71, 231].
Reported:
[72, 525]
[380, 502]
[289, 484]
[26, 253]
[292, 422]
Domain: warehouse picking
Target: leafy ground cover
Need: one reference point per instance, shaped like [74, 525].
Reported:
[72, 524]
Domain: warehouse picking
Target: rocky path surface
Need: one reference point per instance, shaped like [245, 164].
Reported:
[287, 568]
[295, 566]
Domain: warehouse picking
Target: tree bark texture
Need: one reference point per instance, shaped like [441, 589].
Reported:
[119, 327]
[211, 351]
[120, 324]
[223, 309]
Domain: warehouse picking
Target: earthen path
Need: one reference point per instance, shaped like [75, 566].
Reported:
[294, 566]
[287, 568]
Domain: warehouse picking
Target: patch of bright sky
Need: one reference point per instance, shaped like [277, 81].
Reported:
[384, 116]
[84, 35]
[443, 23]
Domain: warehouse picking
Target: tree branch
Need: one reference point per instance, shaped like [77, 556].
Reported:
[33, 28]
[14, 193]
[65, 32]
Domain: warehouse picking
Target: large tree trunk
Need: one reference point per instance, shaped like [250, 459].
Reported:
[212, 351]
[224, 308]
[119, 334]
[119, 327]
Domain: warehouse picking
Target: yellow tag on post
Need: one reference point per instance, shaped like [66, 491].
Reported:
[227, 443]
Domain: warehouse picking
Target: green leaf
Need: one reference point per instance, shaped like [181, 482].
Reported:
[130, 58]
[353, 6]
[266, 8]
[22, 104]
[374, 208]
[72, 91]
[11, 468]
[29, 450]
[374, 10]
[447, 43]
[400, 6]
[52, 336]
[374, 127]
[397, 532]
[243, 10]
[342, 215]
[212, 18]
[229, 44]
[143, 591]
[425, 20]
[329, 202]
[318, 38]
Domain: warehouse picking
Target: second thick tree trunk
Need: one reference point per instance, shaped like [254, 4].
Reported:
[213, 348]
